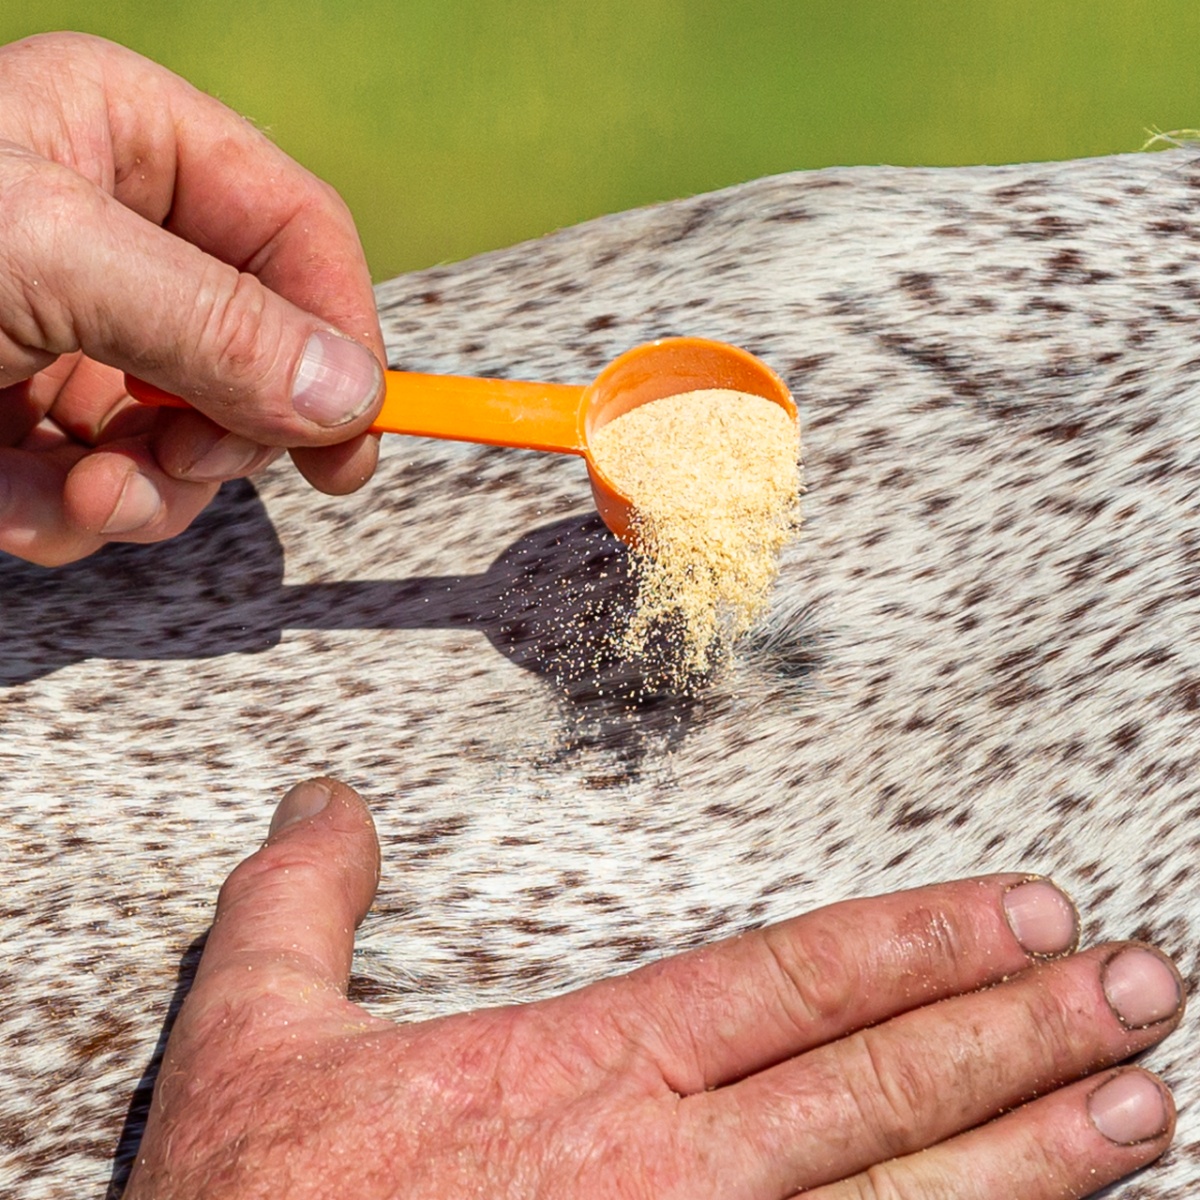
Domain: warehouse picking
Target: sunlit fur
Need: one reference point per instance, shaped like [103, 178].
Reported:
[984, 653]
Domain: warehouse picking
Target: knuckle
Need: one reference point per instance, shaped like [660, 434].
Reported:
[860, 1187]
[331, 199]
[932, 946]
[820, 978]
[269, 876]
[1056, 1021]
[261, 870]
[816, 981]
[321, 200]
[239, 882]
[232, 328]
[894, 1181]
[895, 1094]
[938, 940]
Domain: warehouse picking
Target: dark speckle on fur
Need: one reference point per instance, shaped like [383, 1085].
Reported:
[983, 653]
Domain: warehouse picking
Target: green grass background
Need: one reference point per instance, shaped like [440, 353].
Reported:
[456, 127]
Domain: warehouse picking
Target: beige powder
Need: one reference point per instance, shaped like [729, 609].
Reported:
[715, 481]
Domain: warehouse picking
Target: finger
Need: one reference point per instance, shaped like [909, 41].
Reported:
[91, 391]
[88, 400]
[135, 297]
[341, 469]
[926, 1075]
[1071, 1143]
[724, 1011]
[34, 524]
[119, 493]
[286, 916]
[60, 502]
[188, 446]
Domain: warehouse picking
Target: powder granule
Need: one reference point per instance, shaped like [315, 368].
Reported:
[714, 478]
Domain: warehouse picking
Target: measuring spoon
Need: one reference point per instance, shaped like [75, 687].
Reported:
[557, 417]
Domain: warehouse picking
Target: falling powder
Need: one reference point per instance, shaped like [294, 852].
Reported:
[714, 478]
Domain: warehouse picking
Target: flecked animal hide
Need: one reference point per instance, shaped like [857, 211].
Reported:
[983, 654]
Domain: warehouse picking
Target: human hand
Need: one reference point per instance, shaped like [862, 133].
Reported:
[819, 1055]
[147, 228]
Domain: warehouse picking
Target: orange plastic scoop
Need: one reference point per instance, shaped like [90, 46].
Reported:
[556, 416]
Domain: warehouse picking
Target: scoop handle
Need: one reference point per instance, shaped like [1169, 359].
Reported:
[495, 412]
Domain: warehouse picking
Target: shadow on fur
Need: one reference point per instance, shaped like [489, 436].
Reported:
[139, 1102]
[554, 603]
[550, 603]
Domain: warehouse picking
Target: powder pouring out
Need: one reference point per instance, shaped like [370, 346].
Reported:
[714, 477]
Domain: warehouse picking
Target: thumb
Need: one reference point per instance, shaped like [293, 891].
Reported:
[286, 916]
[88, 273]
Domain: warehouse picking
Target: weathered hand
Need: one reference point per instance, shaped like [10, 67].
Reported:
[821, 1055]
[146, 227]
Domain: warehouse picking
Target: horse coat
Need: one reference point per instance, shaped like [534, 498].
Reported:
[982, 654]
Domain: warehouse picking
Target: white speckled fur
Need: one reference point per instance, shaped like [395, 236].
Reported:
[984, 653]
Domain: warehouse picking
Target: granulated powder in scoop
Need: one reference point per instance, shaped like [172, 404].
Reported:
[714, 477]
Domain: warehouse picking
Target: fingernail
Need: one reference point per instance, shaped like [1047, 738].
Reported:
[336, 381]
[1042, 919]
[303, 801]
[1141, 987]
[229, 458]
[138, 505]
[1129, 1108]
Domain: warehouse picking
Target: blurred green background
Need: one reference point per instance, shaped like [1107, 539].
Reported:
[456, 127]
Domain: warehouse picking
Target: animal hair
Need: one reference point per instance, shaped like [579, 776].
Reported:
[983, 653]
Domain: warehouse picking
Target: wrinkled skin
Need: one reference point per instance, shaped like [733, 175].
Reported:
[820, 1055]
[147, 228]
